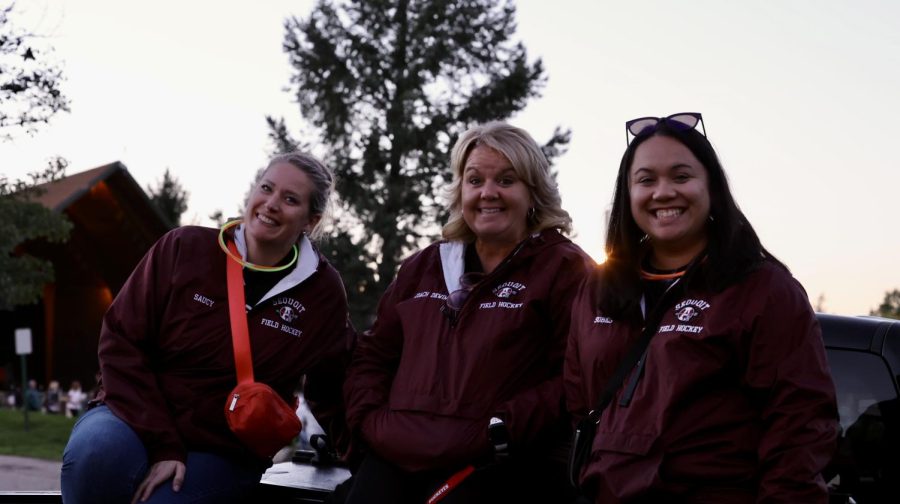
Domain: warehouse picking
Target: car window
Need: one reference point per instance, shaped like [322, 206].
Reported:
[862, 381]
[866, 463]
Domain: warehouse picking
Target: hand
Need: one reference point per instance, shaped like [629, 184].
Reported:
[158, 474]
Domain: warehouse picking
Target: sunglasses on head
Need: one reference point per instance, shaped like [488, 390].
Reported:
[681, 121]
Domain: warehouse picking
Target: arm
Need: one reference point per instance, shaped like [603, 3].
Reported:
[789, 378]
[573, 377]
[323, 384]
[534, 410]
[127, 340]
[374, 362]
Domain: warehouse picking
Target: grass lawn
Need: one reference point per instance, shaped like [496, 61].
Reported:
[45, 439]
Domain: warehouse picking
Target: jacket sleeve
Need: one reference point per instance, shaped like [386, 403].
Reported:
[788, 374]
[534, 410]
[323, 385]
[128, 339]
[573, 377]
[374, 362]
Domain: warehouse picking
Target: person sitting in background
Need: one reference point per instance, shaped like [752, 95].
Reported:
[157, 431]
[463, 365]
[53, 401]
[75, 399]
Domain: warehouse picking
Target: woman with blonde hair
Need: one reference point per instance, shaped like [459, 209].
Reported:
[456, 391]
[157, 431]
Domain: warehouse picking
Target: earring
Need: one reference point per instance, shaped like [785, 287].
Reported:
[531, 212]
[711, 218]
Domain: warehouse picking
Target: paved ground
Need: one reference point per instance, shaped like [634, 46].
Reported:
[20, 473]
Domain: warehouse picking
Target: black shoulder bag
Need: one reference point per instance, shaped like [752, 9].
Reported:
[583, 438]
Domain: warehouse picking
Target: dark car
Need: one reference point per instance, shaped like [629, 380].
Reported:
[864, 355]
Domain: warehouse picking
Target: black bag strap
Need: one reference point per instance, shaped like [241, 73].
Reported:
[584, 431]
[634, 354]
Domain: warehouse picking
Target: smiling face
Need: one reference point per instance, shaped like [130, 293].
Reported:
[495, 201]
[670, 201]
[277, 212]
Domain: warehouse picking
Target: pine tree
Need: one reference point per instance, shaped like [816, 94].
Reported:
[389, 85]
[169, 198]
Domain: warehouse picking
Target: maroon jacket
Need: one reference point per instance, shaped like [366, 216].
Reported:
[736, 403]
[421, 391]
[166, 355]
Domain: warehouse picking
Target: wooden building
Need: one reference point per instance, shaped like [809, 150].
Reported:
[114, 224]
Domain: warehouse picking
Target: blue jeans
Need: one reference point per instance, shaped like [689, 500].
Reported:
[105, 461]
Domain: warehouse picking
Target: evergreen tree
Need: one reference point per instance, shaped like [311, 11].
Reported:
[389, 85]
[170, 198]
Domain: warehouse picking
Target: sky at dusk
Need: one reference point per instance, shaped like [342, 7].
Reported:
[799, 97]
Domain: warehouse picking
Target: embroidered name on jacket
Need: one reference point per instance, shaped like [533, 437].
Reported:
[203, 299]
[431, 295]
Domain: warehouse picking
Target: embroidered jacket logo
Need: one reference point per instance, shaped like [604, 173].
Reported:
[507, 290]
[287, 314]
[686, 310]
[686, 314]
[289, 308]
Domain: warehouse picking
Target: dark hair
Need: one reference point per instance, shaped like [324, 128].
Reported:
[733, 248]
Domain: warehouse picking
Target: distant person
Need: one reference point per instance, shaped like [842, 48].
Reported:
[75, 399]
[34, 397]
[732, 401]
[462, 369]
[53, 401]
[157, 431]
[13, 397]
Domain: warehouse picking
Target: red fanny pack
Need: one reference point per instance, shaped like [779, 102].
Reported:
[257, 415]
[261, 419]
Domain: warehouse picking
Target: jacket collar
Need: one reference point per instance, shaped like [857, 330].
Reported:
[307, 264]
[453, 254]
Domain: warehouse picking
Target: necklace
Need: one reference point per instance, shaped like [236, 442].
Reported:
[247, 264]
